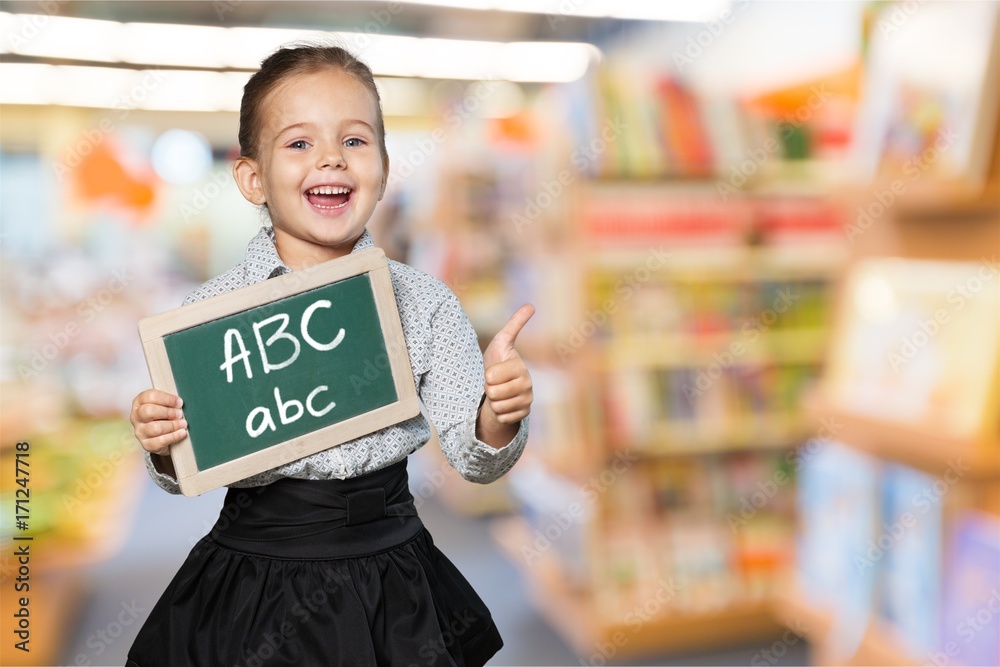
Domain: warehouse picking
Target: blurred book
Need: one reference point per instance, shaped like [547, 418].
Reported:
[971, 599]
[910, 539]
[917, 344]
[930, 98]
[838, 507]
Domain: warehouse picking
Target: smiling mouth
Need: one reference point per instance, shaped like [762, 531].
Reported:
[329, 197]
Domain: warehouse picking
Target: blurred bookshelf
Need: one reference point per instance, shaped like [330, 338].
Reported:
[79, 485]
[704, 397]
[672, 388]
[683, 313]
[899, 513]
[658, 268]
[898, 545]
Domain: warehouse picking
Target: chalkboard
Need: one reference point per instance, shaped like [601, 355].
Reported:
[282, 369]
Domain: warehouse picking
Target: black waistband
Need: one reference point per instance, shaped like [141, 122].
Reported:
[306, 519]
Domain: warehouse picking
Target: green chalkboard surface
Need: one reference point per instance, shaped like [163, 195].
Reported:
[282, 369]
[283, 378]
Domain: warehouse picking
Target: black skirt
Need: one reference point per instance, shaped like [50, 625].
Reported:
[337, 572]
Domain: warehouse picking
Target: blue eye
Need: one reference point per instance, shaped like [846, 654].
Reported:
[297, 142]
[360, 142]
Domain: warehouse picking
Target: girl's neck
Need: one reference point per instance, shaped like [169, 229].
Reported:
[298, 254]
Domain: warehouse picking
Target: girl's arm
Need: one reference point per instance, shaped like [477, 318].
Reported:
[482, 445]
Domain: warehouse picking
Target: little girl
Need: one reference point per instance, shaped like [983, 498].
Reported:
[324, 561]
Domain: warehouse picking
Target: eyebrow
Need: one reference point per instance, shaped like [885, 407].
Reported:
[349, 121]
[358, 121]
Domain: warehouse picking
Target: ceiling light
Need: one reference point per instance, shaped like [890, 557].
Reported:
[161, 90]
[120, 89]
[173, 45]
[60, 37]
[544, 61]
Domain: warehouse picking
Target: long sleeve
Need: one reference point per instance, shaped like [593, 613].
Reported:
[163, 480]
[452, 389]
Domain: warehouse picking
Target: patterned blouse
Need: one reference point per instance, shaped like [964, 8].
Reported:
[447, 369]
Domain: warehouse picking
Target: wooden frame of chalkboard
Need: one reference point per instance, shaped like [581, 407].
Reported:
[382, 370]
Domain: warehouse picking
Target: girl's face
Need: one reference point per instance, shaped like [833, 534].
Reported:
[319, 167]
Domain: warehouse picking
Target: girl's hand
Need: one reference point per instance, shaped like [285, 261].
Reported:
[508, 384]
[157, 420]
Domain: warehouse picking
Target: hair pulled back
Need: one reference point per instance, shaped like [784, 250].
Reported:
[291, 60]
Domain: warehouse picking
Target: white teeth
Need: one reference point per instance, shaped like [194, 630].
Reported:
[329, 190]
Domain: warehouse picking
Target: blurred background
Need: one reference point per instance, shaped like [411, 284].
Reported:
[762, 240]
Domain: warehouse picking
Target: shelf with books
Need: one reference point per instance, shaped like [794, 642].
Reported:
[894, 566]
[701, 228]
[662, 122]
[931, 200]
[691, 327]
[899, 535]
[790, 346]
[913, 371]
[643, 622]
[816, 625]
[769, 431]
[921, 446]
[671, 257]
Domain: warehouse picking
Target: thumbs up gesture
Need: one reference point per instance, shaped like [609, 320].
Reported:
[508, 384]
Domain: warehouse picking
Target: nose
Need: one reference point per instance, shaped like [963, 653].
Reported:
[332, 156]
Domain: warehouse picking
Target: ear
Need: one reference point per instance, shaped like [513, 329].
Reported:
[248, 180]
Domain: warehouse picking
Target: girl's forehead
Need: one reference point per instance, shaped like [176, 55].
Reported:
[324, 94]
